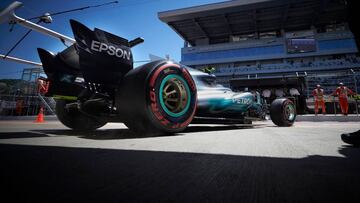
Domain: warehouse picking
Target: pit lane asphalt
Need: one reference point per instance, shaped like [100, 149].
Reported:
[246, 163]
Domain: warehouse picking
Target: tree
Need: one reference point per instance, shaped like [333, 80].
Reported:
[209, 69]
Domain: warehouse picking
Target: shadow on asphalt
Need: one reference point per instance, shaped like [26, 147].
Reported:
[62, 174]
[10, 135]
[206, 128]
[113, 134]
[106, 134]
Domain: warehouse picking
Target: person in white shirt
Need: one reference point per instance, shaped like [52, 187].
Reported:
[266, 93]
[294, 92]
[279, 92]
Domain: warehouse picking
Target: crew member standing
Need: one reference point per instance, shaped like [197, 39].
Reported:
[342, 92]
[42, 86]
[318, 94]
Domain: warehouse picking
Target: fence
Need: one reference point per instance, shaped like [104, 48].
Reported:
[25, 105]
[329, 83]
[333, 107]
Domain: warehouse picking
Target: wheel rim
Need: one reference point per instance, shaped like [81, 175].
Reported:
[174, 95]
[289, 112]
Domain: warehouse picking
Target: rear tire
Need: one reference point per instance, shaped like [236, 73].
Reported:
[76, 120]
[157, 98]
[283, 112]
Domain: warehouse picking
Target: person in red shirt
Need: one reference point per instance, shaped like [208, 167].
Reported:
[342, 92]
[42, 86]
[318, 94]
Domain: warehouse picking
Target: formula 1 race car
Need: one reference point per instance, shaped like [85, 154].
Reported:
[94, 82]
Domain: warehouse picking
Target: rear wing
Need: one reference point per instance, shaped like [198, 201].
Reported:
[103, 57]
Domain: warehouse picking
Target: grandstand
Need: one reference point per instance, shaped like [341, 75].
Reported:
[268, 39]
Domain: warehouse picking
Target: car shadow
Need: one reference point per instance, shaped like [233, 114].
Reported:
[113, 134]
[122, 133]
[12, 135]
[350, 151]
[205, 128]
[100, 134]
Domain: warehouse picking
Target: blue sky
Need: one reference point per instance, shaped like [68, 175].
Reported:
[128, 19]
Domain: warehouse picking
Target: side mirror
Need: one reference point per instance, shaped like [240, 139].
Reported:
[136, 41]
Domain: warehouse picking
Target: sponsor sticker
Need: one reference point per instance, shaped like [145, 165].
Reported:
[110, 50]
[245, 101]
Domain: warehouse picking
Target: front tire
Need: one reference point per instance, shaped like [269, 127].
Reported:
[283, 112]
[74, 119]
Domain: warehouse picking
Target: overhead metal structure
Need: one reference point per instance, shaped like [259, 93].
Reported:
[8, 16]
[217, 22]
[19, 60]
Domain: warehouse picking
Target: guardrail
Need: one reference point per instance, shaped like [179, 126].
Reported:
[333, 107]
[25, 105]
